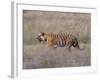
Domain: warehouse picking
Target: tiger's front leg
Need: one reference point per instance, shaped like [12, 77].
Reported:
[52, 46]
[49, 42]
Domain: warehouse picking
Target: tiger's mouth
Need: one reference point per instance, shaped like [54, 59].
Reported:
[39, 39]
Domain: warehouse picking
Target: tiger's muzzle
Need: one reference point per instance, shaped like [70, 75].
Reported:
[39, 39]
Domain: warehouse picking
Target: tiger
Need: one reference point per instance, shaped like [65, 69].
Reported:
[58, 40]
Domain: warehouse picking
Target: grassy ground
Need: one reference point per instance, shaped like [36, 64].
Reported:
[43, 57]
[37, 55]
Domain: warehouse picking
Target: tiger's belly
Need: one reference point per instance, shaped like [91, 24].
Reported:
[60, 43]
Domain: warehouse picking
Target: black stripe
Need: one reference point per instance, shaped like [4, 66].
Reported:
[61, 40]
[64, 39]
[58, 41]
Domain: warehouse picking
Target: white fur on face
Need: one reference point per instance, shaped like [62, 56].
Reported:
[42, 38]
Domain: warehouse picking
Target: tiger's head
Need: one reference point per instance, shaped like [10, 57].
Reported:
[41, 37]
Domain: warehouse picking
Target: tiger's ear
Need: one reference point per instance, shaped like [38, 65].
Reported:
[43, 33]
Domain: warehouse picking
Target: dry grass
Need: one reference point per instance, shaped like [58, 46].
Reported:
[43, 57]
[37, 55]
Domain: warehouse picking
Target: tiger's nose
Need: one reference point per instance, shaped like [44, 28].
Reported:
[39, 39]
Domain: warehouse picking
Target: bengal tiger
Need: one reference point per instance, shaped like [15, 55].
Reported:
[59, 40]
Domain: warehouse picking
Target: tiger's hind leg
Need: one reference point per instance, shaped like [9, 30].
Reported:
[69, 47]
[76, 45]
